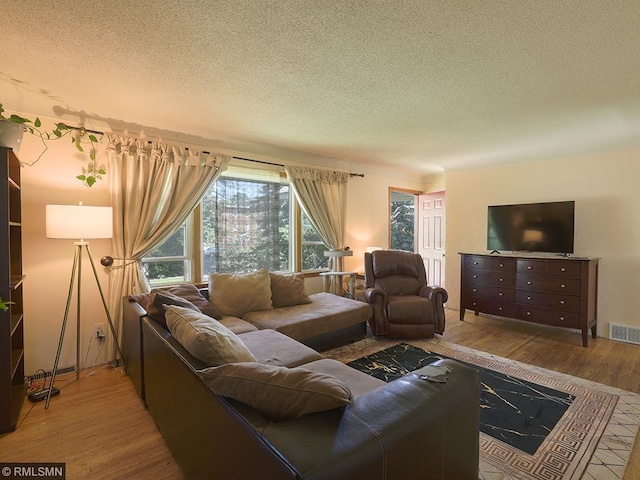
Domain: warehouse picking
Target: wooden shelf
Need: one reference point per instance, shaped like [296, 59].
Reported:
[12, 383]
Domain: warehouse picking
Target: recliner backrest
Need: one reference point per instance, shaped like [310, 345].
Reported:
[394, 271]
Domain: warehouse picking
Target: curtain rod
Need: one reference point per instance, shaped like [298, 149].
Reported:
[86, 130]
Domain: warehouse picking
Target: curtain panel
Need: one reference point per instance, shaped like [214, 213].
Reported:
[153, 189]
[322, 195]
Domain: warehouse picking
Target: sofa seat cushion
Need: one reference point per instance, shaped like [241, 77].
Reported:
[325, 314]
[237, 325]
[205, 338]
[277, 393]
[359, 382]
[274, 348]
[409, 309]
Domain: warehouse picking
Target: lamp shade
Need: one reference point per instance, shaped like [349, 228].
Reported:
[78, 221]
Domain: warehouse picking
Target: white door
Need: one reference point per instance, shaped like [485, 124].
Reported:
[431, 235]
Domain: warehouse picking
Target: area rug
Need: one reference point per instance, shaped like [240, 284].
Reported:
[519, 413]
[592, 439]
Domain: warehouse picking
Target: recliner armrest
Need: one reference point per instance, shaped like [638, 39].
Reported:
[434, 294]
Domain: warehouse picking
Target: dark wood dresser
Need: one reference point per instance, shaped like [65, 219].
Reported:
[557, 291]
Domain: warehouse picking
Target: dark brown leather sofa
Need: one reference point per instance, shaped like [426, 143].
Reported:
[409, 428]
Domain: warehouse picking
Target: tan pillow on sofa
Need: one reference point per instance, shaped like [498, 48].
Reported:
[277, 393]
[238, 293]
[288, 290]
[206, 338]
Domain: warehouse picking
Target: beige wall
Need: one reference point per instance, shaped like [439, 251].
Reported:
[605, 189]
[47, 263]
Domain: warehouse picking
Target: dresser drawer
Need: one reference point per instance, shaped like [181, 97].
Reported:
[497, 264]
[490, 307]
[491, 293]
[563, 269]
[476, 262]
[490, 278]
[532, 267]
[569, 303]
[556, 318]
[565, 286]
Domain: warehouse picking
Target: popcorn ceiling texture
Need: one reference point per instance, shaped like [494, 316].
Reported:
[426, 85]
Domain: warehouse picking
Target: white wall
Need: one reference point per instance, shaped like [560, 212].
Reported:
[605, 189]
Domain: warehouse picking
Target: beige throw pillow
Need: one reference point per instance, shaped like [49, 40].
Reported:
[206, 338]
[239, 293]
[288, 290]
[277, 393]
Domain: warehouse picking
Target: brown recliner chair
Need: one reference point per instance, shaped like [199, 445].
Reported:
[403, 305]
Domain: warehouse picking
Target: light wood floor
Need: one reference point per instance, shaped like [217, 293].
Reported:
[100, 429]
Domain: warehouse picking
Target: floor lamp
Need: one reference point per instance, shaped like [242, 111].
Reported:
[79, 222]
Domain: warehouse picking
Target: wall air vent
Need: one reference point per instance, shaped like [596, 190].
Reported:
[624, 333]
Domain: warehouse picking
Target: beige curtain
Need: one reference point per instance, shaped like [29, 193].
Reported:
[154, 187]
[322, 194]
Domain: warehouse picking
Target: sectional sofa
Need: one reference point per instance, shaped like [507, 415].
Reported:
[264, 405]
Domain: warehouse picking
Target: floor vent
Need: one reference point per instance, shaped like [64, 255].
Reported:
[624, 333]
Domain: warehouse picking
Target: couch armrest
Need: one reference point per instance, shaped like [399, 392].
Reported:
[377, 298]
[409, 428]
[132, 314]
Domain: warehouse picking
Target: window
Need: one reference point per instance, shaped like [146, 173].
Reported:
[170, 261]
[313, 247]
[402, 224]
[246, 221]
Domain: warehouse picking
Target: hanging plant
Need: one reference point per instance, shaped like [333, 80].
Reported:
[4, 304]
[91, 173]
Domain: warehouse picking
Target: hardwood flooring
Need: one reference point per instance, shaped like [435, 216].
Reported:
[99, 428]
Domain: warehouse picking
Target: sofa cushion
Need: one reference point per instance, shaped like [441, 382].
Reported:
[237, 294]
[237, 325]
[158, 298]
[274, 348]
[359, 382]
[190, 292]
[325, 314]
[277, 393]
[287, 290]
[205, 338]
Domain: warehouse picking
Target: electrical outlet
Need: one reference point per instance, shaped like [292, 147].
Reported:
[100, 332]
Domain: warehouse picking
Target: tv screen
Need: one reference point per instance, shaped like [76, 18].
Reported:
[532, 227]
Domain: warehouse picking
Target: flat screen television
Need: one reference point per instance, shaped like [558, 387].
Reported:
[532, 227]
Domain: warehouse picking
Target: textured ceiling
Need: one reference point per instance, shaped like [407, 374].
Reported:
[422, 84]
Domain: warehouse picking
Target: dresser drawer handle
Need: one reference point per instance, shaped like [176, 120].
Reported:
[475, 276]
[529, 313]
[561, 302]
[529, 283]
[563, 269]
[499, 294]
[475, 290]
[563, 286]
[528, 298]
[500, 308]
[562, 318]
[529, 267]
[501, 265]
[474, 304]
[475, 263]
[502, 279]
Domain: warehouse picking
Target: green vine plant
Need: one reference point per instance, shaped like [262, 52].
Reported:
[4, 304]
[92, 172]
